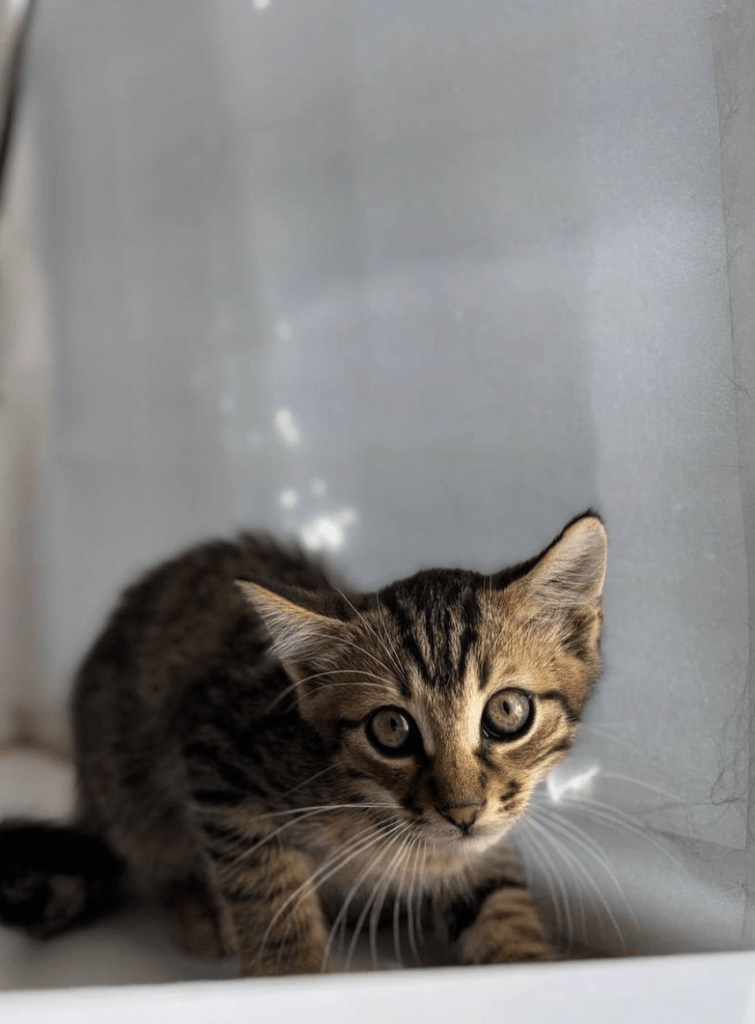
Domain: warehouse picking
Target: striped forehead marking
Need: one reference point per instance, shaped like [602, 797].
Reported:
[436, 615]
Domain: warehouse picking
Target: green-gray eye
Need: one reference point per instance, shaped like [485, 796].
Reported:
[507, 714]
[392, 732]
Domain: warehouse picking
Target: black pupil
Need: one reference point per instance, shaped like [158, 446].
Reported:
[508, 709]
[397, 726]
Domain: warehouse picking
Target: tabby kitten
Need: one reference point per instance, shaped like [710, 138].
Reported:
[274, 758]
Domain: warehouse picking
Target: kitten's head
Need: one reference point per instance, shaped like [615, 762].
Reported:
[449, 695]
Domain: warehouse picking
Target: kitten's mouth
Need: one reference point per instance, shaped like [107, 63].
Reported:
[475, 839]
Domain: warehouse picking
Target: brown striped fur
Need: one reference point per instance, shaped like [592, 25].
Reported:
[229, 757]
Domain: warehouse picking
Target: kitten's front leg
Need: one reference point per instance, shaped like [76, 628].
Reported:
[495, 920]
[270, 909]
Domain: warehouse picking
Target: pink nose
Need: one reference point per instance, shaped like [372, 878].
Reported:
[462, 817]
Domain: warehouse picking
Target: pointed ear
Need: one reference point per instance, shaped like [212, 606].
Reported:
[572, 570]
[562, 587]
[298, 621]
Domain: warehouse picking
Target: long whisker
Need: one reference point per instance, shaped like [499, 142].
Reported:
[301, 785]
[335, 861]
[287, 825]
[609, 734]
[341, 917]
[326, 870]
[397, 905]
[570, 830]
[373, 631]
[545, 835]
[642, 784]
[410, 906]
[368, 902]
[395, 659]
[377, 906]
[571, 858]
[420, 893]
[620, 820]
[356, 646]
[331, 866]
[331, 672]
[363, 650]
[324, 807]
[582, 915]
[550, 875]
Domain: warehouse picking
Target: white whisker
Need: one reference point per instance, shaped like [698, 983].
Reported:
[643, 785]
[377, 906]
[550, 875]
[410, 905]
[359, 615]
[332, 672]
[312, 778]
[621, 820]
[420, 894]
[341, 918]
[397, 905]
[571, 858]
[324, 807]
[287, 825]
[368, 902]
[395, 657]
[571, 831]
[545, 836]
[330, 867]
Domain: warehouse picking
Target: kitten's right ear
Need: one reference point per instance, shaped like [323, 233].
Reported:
[308, 633]
[302, 631]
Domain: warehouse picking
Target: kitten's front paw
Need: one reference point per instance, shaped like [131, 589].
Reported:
[506, 945]
[193, 922]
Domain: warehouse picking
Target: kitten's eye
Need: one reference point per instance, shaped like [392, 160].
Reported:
[392, 732]
[507, 714]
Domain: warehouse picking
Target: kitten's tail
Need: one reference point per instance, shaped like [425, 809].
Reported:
[54, 877]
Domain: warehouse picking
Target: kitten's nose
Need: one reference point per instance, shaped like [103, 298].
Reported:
[462, 817]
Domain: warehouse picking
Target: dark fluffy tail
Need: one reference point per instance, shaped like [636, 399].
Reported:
[54, 877]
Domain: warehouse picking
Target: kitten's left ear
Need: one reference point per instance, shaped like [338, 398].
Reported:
[562, 587]
[572, 570]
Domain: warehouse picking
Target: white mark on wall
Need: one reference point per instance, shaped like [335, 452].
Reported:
[289, 498]
[283, 331]
[561, 789]
[318, 488]
[327, 532]
[286, 426]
